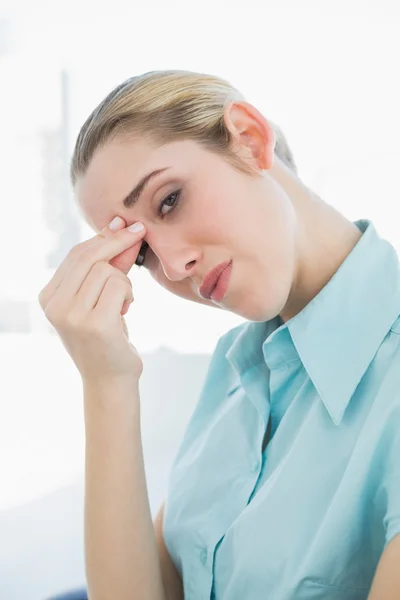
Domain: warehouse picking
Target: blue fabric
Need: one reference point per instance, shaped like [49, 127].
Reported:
[78, 594]
[310, 516]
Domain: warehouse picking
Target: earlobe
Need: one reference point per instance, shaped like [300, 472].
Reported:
[253, 137]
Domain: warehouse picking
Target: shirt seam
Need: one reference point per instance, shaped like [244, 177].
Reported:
[337, 587]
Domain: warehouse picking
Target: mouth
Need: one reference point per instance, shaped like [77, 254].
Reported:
[215, 283]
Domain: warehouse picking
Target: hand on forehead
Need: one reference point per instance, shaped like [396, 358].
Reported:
[124, 261]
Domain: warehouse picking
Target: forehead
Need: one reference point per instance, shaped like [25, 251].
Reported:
[117, 167]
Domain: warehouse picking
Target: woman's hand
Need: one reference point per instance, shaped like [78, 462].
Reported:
[86, 299]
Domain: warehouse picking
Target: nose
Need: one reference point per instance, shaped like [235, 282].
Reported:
[178, 261]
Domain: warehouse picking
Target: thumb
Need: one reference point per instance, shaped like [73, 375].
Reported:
[125, 261]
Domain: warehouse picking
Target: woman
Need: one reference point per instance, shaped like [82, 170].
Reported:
[286, 484]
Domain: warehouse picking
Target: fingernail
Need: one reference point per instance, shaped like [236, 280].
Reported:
[136, 227]
[116, 223]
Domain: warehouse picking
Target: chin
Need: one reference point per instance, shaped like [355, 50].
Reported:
[253, 311]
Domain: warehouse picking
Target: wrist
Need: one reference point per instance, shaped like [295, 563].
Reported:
[111, 392]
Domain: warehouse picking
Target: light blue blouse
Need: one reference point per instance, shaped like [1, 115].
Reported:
[311, 515]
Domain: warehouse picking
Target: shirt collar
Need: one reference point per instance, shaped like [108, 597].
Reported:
[247, 360]
[246, 350]
[338, 333]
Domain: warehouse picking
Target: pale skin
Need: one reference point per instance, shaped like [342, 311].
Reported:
[285, 244]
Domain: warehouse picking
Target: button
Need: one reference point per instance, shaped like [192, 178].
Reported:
[203, 556]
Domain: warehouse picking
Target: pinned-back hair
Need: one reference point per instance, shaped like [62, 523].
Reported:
[167, 106]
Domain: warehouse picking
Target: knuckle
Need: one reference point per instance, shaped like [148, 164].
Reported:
[60, 319]
[96, 327]
[42, 297]
[117, 277]
[85, 254]
[72, 321]
[120, 275]
[114, 281]
[125, 279]
[121, 283]
[84, 257]
[101, 268]
[77, 250]
[128, 282]
[51, 314]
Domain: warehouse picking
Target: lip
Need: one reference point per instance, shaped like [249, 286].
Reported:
[211, 279]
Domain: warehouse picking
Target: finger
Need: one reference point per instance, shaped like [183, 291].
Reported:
[126, 306]
[73, 280]
[117, 224]
[66, 265]
[125, 327]
[124, 261]
[48, 291]
[115, 244]
[91, 289]
[112, 299]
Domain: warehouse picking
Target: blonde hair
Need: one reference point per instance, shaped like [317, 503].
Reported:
[166, 106]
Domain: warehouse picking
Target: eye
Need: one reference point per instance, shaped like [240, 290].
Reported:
[142, 254]
[170, 203]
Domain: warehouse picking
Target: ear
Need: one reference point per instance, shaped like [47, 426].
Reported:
[253, 137]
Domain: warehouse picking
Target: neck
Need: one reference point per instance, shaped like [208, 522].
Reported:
[324, 239]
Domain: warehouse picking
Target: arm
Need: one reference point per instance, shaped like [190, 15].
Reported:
[86, 300]
[170, 576]
[386, 583]
[121, 556]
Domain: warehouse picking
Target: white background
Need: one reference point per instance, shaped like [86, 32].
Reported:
[325, 72]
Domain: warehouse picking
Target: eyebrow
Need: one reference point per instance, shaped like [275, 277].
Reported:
[134, 196]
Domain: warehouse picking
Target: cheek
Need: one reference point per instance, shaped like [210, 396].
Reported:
[211, 208]
[274, 249]
[230, 209]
